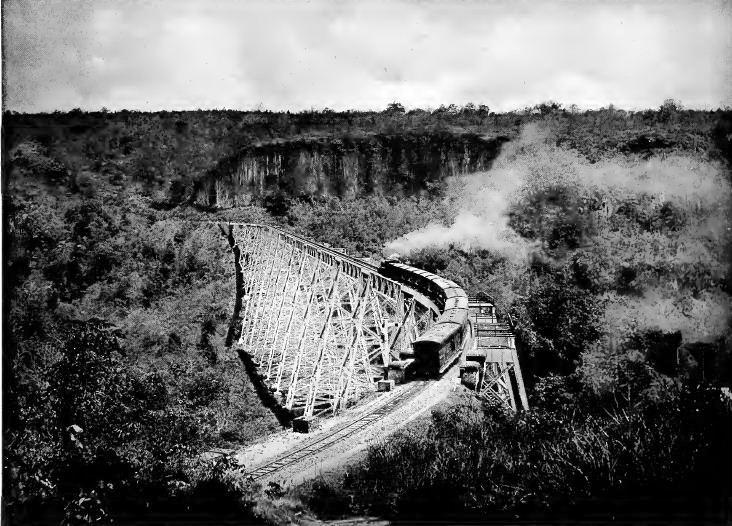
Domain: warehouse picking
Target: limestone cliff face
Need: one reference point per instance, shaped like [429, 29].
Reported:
[346, 167]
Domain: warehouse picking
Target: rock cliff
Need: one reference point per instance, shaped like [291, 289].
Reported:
[347, 167]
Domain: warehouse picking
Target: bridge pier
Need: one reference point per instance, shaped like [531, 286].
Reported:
[398, 370]
[302, 424]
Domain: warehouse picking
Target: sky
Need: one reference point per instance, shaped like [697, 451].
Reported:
[287, 55]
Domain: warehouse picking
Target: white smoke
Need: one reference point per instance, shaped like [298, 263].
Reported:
[481, 201]
[531, 163]
[702, 318]
[468, 231]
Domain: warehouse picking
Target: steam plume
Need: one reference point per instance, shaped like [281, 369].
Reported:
[482, 200]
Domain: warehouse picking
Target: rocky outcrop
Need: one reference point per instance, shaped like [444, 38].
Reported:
[346, 167]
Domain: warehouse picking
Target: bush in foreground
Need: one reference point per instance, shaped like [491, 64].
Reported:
[477, 460]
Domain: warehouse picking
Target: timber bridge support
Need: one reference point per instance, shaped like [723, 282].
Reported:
[326, 329]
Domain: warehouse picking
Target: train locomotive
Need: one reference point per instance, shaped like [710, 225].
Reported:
[443, 342]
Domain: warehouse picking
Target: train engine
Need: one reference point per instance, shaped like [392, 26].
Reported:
[437, 348]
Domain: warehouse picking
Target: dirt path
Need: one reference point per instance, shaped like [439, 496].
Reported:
[344, 439]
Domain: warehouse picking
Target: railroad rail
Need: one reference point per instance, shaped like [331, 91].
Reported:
[339, 433]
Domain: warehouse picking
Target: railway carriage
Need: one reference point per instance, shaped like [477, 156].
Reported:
[437, 348]
[442, 344]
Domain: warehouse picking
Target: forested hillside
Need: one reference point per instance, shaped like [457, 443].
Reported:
[177, 152]
[606, 235]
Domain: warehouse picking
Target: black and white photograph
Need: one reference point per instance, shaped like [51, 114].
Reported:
[366, 262]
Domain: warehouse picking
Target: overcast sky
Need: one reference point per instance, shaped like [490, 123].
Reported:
[187, 54]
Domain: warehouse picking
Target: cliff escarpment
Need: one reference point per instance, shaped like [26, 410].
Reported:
[347, 167]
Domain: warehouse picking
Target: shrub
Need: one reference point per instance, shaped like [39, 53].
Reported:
[99, 428]
[219, 485]
[481, 460]
[327, 497]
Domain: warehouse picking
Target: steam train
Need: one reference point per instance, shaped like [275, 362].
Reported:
[442, 344]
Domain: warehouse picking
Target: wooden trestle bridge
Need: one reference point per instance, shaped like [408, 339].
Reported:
[325, 329]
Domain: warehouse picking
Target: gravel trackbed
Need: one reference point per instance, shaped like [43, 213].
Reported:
[290, 458]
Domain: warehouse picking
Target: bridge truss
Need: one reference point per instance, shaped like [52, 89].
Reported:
[321, 326]
[491, 367]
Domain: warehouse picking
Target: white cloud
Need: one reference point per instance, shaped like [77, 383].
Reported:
[293, 55]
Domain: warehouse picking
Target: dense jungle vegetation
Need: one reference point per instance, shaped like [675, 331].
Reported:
[613, 259]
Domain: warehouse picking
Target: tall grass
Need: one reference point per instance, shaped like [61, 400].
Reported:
[479, 460]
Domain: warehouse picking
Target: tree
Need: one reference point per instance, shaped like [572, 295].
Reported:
[395, 108]
[88, 386]
[89, 421]
[566, 319]
[669, 109]
[548, 107]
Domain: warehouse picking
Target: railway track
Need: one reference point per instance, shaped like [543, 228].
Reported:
[341, 432]
[359, 262]
[329, 250]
